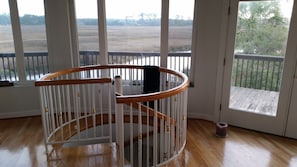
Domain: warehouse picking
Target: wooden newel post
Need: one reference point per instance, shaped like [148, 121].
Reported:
[119, 119]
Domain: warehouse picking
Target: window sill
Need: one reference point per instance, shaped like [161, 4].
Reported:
[16, 83]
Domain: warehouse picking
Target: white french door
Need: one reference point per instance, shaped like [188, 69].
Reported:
[259, 70]
[291, 130]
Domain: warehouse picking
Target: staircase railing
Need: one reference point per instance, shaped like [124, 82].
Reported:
[81, 106]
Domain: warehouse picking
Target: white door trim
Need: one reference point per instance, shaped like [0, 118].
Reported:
[226, 12]
[291, 85]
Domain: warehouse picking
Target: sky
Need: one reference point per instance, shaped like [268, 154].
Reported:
[120, 8]
[114, 8]
[123, 8]
[25, 7]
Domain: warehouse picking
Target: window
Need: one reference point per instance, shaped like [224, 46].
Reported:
[33, 38]
[7, 50]
[133, 28]
[87, 30]
[133, 32]
[132, 35]
[23, 53]
[180, 35]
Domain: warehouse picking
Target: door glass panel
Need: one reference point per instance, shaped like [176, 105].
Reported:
[7, 51]
[260, 47]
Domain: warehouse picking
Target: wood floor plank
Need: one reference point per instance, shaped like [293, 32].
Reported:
[21, 144]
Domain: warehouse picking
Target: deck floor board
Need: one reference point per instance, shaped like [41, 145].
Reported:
[254, 100]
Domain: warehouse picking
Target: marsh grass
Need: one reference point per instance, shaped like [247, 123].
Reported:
[120, 38]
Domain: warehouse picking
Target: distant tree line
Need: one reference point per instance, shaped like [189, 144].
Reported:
[144, 20]
[4, 19]
[25, 20]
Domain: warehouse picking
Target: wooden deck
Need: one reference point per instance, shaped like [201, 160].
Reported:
[254, 100]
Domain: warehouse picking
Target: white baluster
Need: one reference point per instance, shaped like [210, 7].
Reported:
[139, 135]
[155, 141]
[109, 114]
[120, 119]
[131, 136]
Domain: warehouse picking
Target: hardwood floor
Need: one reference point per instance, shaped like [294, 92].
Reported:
[241, 148]
[21, 144]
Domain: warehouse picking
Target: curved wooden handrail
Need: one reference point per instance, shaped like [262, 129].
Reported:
[72, 81]
[157, 95]
[149, 111]
[153, 96]
[47, 80]
[51, 76]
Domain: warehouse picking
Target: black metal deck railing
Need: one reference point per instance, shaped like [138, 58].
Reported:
[250, 71]
[36, 63]
[257, 71]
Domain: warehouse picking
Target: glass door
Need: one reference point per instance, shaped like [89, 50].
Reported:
[256, 57]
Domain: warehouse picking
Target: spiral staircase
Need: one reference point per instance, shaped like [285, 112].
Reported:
[142, 110]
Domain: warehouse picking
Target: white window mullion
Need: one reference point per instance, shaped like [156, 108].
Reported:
[17, 38]
[74, 34]
[164, 33]
[102, 32]
[194, 42]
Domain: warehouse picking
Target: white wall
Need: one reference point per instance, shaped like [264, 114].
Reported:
[19, 101]
[202, 95]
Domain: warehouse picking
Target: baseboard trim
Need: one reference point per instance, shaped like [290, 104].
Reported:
[19, 114]
[200, 116]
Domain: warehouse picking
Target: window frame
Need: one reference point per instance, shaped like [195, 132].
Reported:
[18, 41]
[102, 31]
